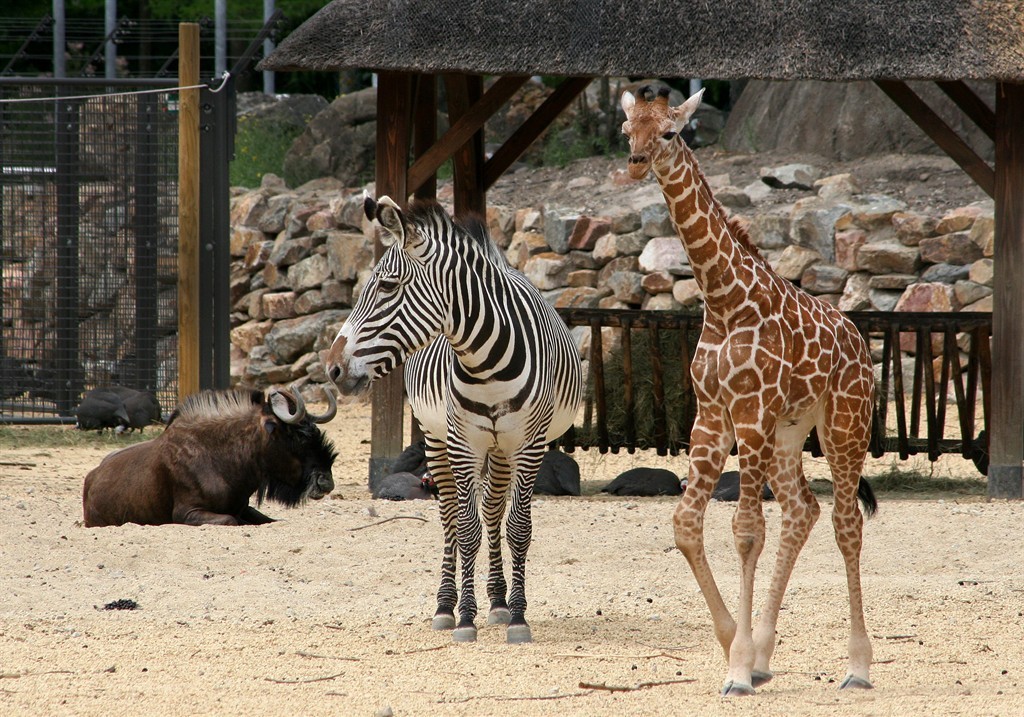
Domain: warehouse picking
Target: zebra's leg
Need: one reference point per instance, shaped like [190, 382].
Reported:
[467, 468]
[441, 472]
[519, 532]
[495, 497]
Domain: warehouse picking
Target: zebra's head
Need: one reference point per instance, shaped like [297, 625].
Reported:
[400, 309]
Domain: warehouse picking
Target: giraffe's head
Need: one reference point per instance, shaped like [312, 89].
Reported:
[652, 126]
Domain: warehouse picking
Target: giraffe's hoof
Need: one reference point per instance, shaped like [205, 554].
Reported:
[518, 634]
[854, 682]
[761, 677]
[443, 621]
[499, 616]
[464, 634]
[737, 689]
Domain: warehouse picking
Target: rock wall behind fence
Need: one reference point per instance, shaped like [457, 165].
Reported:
[301, 257]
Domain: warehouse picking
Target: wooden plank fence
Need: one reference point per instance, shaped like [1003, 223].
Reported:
[933, 375]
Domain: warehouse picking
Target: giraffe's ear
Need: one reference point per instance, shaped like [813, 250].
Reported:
[628, 100]
[681, 114]
[390, 218]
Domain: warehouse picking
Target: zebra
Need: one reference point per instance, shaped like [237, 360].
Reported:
[492, 375]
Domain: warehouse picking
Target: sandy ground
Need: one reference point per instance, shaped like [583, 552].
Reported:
[328, 610]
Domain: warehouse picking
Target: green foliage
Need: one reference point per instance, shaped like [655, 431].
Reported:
[260, 149]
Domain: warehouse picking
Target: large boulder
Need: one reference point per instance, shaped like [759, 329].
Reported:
[839, 120]
[340, 142]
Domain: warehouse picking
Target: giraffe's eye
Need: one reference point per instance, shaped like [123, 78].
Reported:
[668, 135]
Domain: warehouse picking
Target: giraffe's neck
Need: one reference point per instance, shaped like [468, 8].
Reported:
[724, 270]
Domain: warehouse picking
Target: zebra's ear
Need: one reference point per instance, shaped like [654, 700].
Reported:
[390, 217]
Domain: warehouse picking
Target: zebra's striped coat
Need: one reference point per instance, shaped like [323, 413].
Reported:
[492, 375]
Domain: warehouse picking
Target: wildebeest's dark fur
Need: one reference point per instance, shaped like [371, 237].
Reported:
[218, 450]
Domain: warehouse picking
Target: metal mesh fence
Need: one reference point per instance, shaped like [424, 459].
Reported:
[88, 247]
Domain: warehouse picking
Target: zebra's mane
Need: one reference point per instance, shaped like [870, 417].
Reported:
[208, 405]
[428, 214]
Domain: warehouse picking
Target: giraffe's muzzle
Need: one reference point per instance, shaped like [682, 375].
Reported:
[638, 165]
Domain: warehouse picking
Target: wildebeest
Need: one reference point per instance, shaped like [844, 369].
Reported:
[219, 448]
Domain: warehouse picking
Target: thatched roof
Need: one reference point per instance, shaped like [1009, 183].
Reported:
[723, 39]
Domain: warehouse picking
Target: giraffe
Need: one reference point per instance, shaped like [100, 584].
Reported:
[772, 363]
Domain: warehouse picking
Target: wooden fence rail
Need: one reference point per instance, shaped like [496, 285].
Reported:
[927, 365]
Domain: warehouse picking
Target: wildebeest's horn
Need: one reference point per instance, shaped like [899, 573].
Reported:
[279, 405]
[332, 408]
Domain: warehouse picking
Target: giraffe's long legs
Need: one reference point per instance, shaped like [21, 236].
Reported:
[710, 442]
[756, 451]
[799, 514]
[845, 431]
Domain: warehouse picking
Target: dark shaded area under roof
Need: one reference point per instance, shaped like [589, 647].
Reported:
[724, 39]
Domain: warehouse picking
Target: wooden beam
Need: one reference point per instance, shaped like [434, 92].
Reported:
[1006, 442]
[532, 128]
[941, 133]
[394, 115]
[971, 105]
[460, 132]
[188, 211]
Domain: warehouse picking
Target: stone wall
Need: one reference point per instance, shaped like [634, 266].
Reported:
[301, 257]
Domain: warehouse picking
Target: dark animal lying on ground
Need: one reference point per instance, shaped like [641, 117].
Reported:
[644, 482]
[728, 488]
[412, 460]
[559, 474]
[404, 486]
[117, 407]
[219, 448]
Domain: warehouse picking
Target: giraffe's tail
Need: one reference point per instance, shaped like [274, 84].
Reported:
[867, 497]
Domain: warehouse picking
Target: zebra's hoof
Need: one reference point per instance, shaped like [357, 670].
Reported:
[759, 677]
[737, 689]
[499, 616]
[518, 634]
[857, 683]
[443, 621]
[464, 634]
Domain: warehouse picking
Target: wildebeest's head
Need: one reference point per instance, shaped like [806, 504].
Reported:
[273, 438]
[299, 439]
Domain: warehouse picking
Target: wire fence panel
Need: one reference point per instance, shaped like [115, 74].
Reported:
[88, 246]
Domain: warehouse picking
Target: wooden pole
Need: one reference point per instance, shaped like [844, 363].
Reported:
[188, 210]
[394, 116]
[1006, 465]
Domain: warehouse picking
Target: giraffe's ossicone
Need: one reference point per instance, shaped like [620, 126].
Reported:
[773, 363]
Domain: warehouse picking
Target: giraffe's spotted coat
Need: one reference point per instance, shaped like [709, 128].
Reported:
[772, 363]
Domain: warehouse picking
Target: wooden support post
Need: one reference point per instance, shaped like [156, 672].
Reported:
[394, 112]
[1006, 440]
[188, 210]
[469, 193]
[425, 131]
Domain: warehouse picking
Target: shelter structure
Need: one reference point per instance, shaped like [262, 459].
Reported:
[412, 46]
